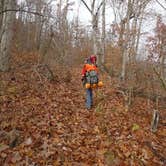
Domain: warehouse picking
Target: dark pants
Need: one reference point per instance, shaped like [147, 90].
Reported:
[89, 98]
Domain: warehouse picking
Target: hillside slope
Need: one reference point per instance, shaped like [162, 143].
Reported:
[46, 123]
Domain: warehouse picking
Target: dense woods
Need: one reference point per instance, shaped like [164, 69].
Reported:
[42, 50]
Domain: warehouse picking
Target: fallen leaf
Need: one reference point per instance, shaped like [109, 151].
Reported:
[16, 157]
[28, 141]
[3, 147]
[135, 127]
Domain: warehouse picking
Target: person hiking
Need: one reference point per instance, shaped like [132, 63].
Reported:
[90, 78]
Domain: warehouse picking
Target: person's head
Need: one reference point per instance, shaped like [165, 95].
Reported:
[93, 58]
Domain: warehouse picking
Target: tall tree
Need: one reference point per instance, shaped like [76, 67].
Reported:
[128, 16]
[157, 46]
[1, 9]
[6, 31]
[38, 20]
[94, 11]
[103, 32]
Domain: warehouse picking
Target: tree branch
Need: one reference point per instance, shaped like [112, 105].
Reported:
[99, 7]
[161, 5]
[161, 80]
[20, 10]
[87, 6]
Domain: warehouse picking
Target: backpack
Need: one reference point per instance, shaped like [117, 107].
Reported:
[91, 74]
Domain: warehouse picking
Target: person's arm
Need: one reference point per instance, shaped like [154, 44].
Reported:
[83, 73]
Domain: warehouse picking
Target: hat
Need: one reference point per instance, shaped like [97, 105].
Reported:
[93, 58]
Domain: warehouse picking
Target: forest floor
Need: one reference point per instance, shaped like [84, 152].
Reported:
[46, 123]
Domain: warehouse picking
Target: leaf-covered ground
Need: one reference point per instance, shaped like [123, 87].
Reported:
[45, 123]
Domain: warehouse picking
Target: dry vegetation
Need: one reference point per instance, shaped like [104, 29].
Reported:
[45, 122]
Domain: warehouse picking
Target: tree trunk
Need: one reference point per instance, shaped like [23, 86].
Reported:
[125, 44]
[138, 34]
[95, 33]
[139, 25]
[1, 8]
[28, 41]
[95, 29]
[162, 63]
[6, 34]
[125, 51]
[133, 34]
[39, 24]
[103, 33]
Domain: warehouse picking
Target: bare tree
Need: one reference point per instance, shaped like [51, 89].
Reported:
[94, 11]
[1, 9]
[103, 33]
[6, 33]
[38, 20]
[157, 49]
[129, 15]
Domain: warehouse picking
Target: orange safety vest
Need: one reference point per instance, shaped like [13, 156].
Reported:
[89, 67]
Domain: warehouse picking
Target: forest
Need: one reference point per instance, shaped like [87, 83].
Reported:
[44, 45]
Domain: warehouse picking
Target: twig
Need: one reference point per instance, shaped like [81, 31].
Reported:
[35, 69]
[162, 158]
[161, 80]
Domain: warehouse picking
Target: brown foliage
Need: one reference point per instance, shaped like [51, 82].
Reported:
[55, 128]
